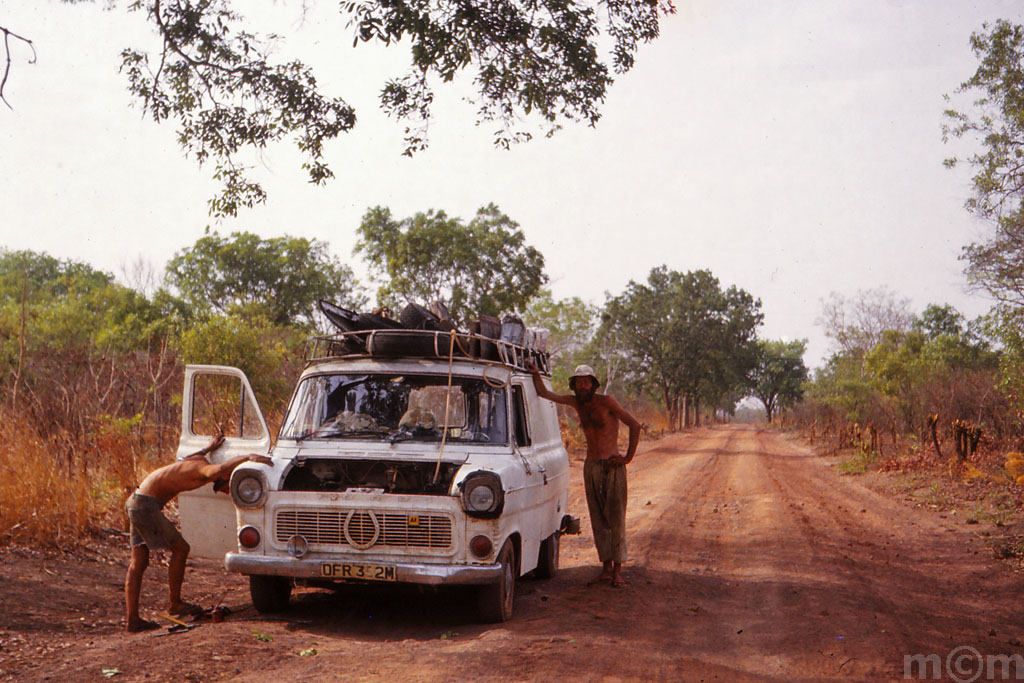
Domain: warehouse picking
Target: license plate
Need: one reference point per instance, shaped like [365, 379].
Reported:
[352, 570]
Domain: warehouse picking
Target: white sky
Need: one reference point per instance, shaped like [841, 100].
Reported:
[792, 148]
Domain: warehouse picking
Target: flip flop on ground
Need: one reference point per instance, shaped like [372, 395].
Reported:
[186, 609]
[142, 625]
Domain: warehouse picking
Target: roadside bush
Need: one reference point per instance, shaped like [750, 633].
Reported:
[270, 355]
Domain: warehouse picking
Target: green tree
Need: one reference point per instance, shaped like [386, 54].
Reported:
[78, 350]
[840, 392]
[39, 276]
[684, 337]
[226, 92]
[938, 320]
[779, 375]
[279, 278]
[46, 303]
[953, 342]
[940, 366]
[997, 124]
[266, 352]
[484, 266]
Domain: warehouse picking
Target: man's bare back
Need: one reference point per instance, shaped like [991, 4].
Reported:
[168, 481]
[163, 484]
[192, 472]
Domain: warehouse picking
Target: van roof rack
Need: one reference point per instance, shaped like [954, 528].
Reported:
[399, 343]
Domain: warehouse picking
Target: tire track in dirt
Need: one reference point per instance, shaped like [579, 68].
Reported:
[908, 583]
[754, 560]
[727, 598]
[654, 523]
[811, 584]
[764, 566]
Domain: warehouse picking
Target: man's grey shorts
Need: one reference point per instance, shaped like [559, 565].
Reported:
[149, 526]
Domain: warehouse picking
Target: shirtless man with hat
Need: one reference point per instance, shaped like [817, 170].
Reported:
[151, 530]
[604, 471]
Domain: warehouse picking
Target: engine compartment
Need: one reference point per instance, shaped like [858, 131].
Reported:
[338, 475]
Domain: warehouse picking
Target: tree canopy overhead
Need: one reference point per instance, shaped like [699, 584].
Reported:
[534, 65]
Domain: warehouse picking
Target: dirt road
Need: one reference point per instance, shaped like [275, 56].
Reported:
[750, 559]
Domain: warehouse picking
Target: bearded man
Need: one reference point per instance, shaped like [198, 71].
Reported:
[604, 471]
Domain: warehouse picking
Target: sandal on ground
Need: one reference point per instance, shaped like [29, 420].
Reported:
[142, 625]
[187, 609]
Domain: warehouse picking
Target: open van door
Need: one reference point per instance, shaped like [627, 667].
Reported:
[216, 399]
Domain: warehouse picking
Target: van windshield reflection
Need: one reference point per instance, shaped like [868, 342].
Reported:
[397, 407]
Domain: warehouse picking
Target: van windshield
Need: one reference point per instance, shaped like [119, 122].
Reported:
[394, 407]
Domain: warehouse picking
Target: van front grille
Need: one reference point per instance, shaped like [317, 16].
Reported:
[364, 529]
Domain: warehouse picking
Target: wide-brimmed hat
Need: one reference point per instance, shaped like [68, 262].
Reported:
[583, 371]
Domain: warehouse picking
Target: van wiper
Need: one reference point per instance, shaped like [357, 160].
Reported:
[340, 434]
[356, 432]
[418, 433]
[402, 434]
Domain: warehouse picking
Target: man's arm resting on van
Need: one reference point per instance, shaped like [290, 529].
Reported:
[224, 469]
[543, 392]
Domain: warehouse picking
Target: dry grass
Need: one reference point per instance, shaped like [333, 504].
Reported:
[58, 488]
[57, 494]
[41, 501]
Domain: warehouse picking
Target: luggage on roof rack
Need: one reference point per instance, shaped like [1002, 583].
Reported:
[422, 332]
[436, 344]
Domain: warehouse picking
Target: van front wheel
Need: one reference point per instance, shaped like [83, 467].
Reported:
[269, 593]
[547, 561]
[496, 599]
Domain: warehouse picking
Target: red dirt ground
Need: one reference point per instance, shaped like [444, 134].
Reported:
[751, 558]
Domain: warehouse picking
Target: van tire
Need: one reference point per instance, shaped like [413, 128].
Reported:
[269, 593]
[547, 560]
[495, 601]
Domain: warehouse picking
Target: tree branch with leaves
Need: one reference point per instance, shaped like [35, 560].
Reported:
[531, 62]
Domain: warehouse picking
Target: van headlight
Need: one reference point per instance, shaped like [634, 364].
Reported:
[249, 489]
[483, 495]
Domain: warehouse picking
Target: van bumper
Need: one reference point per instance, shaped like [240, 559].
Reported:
[429, 574]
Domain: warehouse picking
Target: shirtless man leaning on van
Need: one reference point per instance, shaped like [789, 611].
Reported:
[151, 530]
[604, 471]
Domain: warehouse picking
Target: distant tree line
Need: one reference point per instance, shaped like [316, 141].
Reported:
[77, 346]
[904, 380]
[917, 381]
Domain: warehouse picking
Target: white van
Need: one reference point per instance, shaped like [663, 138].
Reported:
[424, 465]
